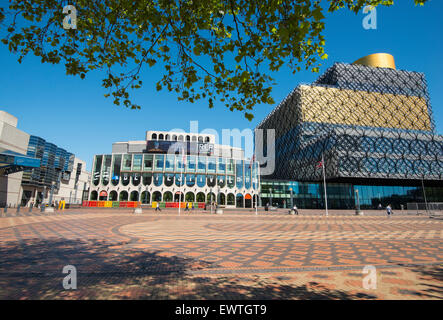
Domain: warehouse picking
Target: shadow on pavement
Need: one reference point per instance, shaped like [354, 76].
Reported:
[109, 270]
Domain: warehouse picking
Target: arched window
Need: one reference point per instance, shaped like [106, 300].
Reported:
[174, 137]
[200, 139]
[94, 196]
[154, 136]
[180, 138]
[147, 179]
[167, 137]
[190, 197]
[123, 196]
[188, 138]
[113, 196]
[239, 200]
[201, 197]
[248, 201]
[160, 136]
[157, 196]
[167, 196]
[221, 199]
[125, 179]
[134, 196]
[211, 197]
[194, 138]
[136, 179]
[146, 197]
[231, 199]
[207, 139]
[179, 196]
[103, 196]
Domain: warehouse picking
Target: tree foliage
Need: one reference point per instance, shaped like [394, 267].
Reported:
[217, 50]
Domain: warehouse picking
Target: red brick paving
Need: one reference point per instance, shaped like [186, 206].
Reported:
[239, 256]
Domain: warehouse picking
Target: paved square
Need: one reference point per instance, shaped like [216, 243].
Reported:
[237, 255]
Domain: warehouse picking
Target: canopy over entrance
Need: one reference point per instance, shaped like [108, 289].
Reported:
[12, 162]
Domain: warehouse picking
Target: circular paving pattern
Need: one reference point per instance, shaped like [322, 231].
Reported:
[114, 249]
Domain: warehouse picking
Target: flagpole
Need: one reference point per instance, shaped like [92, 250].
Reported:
[324, 182]
[180, 186]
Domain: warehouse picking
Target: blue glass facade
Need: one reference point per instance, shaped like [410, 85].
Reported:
[54, 161]
[310, 195]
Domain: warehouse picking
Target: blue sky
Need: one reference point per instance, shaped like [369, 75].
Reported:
[74, 114]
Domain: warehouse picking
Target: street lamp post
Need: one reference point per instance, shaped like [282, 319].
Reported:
[292, 198]
[424, 192]
[270, 197]
[51, 193]
[357, 211]
[210, 201]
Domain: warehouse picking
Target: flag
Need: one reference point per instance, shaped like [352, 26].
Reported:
[319, 164]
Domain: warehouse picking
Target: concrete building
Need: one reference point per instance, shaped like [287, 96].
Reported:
[156, 170]
[61, 176]
[30, 167]
[13, 148]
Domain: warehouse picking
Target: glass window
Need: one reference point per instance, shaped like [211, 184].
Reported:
[230, 166]
[116, 169]
[169, 179]
[230, 181]
[159, 162]
[221, 165]
[127, 162]
[125, 178]
[135, 178]
[201, 180]
[147, 166]
[221, 181]
[190, 180]
[179, 179]
[179, 163]
[239, 174]
[158, 178]
[147, 179]
[169, 162]
[97, 169]
[211, 180]
[211, 165]
[191, 164]
[255, 177]
[201, 164]
[137, 165]
[106, 172]
[248, 176]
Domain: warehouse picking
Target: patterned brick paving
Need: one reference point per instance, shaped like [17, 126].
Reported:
[240, 256]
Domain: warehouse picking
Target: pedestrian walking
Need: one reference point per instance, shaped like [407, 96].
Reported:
[187, 206]
[157, 207]
[389, 210]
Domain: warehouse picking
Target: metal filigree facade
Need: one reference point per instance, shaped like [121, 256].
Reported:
[368, 122]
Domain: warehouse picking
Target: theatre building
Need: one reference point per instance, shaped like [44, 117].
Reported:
[374, 127]
[173, 167]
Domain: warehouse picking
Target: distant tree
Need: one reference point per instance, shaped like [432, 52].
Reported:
[209, 49]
